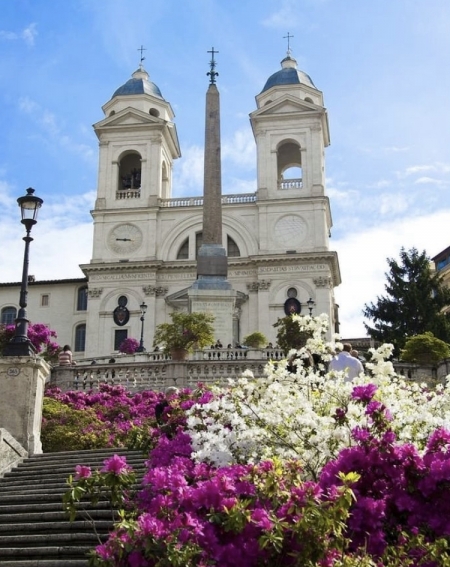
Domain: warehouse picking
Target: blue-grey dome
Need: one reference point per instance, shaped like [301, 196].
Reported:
[138, 84]
[288, 75]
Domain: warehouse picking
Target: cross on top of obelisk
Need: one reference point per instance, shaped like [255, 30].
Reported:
[212, 74]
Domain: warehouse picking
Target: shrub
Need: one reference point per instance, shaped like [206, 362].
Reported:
[255, 340]
[425, 349]
[129, 346]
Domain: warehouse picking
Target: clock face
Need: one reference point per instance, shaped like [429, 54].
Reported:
[290, 231]
[125, 238]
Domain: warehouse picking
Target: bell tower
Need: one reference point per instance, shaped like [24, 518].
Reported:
[137, 146]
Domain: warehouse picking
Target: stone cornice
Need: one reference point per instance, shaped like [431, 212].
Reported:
[157, 268]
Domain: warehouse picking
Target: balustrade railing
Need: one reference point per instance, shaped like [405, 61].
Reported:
[128, 194]
[198, 201]
[290, 184]
[156, 371]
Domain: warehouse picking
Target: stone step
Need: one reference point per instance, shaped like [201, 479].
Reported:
[31, 540]
[45, 507]
[34, 529]
[56, 516]
[40, 486]
[101, 526]
[58, 475]
[66, 562]
[51, 552]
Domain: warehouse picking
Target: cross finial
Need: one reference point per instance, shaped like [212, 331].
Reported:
[212, 74]
[142, 49]
[288, 37]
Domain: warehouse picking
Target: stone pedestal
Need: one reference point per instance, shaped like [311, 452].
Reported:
[219, 302]
[22, 381]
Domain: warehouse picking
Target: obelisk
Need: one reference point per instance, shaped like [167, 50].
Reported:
[212, 292]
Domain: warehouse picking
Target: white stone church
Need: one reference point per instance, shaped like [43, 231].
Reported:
[146, 239]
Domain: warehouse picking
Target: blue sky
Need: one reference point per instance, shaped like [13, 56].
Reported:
[383, 66]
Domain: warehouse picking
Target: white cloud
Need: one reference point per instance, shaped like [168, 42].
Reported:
[393, 203]
[428, 180]
[28, 35]
[362, 259]
[437, 167]
[49, 124]
[188, 173]
[62, 239]
[287, 13]
[241, 149]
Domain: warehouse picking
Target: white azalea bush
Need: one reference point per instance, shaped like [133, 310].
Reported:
[303, 412]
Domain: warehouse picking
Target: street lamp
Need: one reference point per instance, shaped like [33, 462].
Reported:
[310, 304]
[20, 344]
[143, 309]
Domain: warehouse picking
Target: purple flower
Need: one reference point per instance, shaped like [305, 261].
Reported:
[82, 471]
[374, 407]
[261, 518]
[364, 393]
[115, 464]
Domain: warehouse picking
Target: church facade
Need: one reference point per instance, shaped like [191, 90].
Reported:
[146, 239]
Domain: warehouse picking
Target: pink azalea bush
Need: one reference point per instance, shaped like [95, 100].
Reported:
[114, 417]
[378, 504]
[40, 336]
[129, 346]
[299, 469]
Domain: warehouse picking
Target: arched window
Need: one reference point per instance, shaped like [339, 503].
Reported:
[130, 172]
[82, 298]
[232, 248]
[289, 164]
[80, 338]
[9, 315]
[183, 252]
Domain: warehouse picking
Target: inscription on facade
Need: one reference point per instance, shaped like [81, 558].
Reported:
[281, 269]
[118, 277]
[235, 273]
[182, 276]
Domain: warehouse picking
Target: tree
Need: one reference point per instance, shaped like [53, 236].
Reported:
[425, 349]
[413, 304]
[289, 334]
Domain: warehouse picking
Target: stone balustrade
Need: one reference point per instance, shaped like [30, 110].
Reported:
[198, 201]
[290, 184]
[156, 371]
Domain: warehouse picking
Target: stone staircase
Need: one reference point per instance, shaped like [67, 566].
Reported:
[34, 529]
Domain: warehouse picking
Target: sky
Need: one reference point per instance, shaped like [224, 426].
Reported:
[383, 67]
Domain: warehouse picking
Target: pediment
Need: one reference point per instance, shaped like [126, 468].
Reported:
[127, 117]
[285, 105]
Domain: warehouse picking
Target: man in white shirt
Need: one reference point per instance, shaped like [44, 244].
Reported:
[345, 362]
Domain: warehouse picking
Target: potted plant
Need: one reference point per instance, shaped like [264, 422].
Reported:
[186, 332]
[255, 340]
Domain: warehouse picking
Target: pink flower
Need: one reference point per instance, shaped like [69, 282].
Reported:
[115, 464]
[82, 471]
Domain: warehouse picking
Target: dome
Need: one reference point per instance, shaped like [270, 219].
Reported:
[289, 75]
[138, 84]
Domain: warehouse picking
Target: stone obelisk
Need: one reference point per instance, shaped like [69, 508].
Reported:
[212, 292]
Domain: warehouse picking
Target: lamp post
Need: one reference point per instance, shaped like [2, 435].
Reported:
[310, 304]
[143, 309]
[20, 344]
